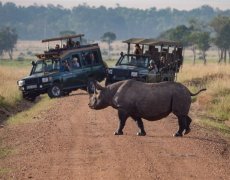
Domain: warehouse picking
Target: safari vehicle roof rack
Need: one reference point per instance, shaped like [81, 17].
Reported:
[63, 38]
[134, 40]
[152, 42]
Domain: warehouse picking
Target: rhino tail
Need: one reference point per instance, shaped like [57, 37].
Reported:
[194, 94]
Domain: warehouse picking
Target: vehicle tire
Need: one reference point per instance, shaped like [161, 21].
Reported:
[55, 91]
[90, 86]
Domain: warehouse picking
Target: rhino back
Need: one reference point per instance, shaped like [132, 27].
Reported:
[150, 101]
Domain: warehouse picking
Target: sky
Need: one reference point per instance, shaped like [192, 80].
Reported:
[142, 4]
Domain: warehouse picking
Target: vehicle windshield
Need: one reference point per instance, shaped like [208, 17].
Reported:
[134, 60]
[48, 65]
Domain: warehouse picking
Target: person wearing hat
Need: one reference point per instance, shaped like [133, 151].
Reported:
[137, 50]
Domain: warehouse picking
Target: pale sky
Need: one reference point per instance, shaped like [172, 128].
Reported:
[142, 4]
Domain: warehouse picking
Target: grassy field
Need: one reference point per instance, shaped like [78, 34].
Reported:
[215, 102]
[10, 72]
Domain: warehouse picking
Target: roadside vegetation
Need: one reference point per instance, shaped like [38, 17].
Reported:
[10, 97]
[10, 72]
[213, 104]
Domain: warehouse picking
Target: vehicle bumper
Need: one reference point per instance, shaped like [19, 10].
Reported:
[34, 89]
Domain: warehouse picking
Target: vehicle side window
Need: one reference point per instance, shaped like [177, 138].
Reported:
[75, 61]
[90, 58]
[65, 65]
[95, 57]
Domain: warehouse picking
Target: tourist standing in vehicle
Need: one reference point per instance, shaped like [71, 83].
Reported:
[137, 50]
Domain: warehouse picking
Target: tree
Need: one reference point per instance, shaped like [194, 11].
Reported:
[221, 27]
[109, 37]
[8, 39]
[193, 39]
[196, 27]
[203, 43]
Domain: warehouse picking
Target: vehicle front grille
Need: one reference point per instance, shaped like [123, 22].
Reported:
[32, 81]
[122, 73]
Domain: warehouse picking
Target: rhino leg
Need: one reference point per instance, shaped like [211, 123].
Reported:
[140, 126]
[123, 116]
[182, 121]
[188, 122]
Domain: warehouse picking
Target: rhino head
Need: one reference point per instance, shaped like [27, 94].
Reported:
[100, 99]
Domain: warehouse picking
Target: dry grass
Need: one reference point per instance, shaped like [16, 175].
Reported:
[9, 93]
[216, 100]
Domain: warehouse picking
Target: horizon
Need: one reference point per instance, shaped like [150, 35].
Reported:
[147, 4]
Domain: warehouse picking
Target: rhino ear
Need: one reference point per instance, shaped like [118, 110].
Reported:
[98, 86]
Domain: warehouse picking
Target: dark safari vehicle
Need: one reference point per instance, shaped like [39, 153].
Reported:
[63, 69]
[152, 61]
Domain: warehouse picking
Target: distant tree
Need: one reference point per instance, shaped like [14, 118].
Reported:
[196, 27]
[109, 37]
[8, 39]
[180, 33]
[221, 26]
[193, 39]
[203, 43]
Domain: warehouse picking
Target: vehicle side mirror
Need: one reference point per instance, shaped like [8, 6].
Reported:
[122, 54]
[33, 63]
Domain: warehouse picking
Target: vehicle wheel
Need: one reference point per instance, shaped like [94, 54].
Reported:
[55, 91]
[90, 86]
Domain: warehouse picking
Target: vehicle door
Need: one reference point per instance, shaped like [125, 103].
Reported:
[78, 70]
[67, 74]
[97, 68]
[87, 64]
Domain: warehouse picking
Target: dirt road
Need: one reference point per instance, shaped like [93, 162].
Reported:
[70, 141]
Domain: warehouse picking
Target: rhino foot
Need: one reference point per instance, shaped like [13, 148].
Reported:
[187, 131]
[141, 133]
[177, 135]
[118, 133]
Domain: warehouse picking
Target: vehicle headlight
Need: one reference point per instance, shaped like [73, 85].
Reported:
[46, 79]
[134, 74]
[21, 83]
[110, 71]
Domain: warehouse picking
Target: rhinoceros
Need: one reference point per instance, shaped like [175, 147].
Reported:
[150, 101]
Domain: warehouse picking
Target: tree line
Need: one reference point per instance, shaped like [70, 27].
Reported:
[200, 35]
[39, 22]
